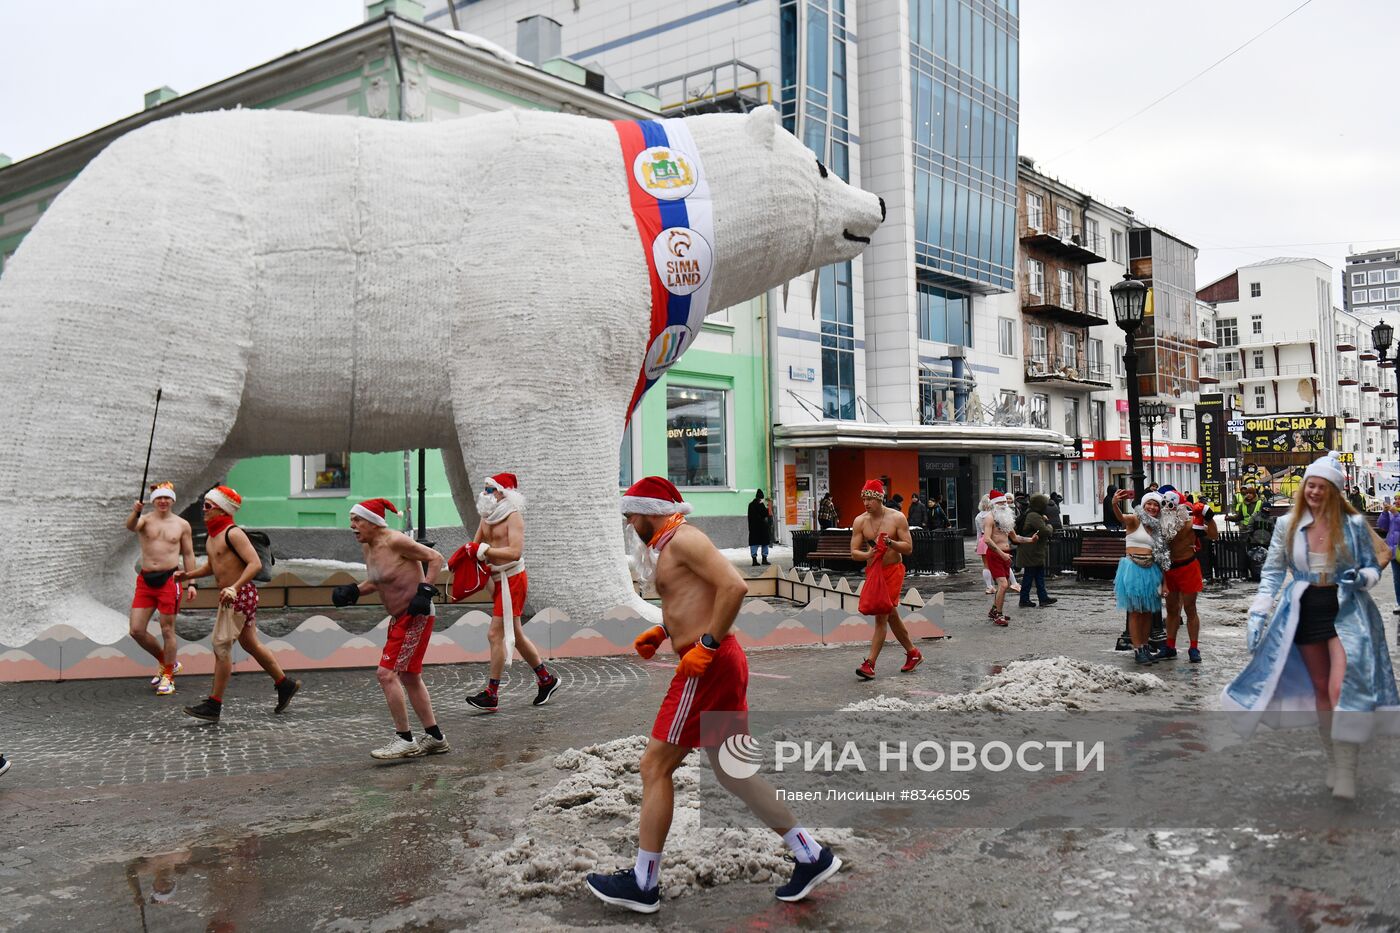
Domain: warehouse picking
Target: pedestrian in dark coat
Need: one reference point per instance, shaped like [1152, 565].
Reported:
[1032, 558]
[760, 527]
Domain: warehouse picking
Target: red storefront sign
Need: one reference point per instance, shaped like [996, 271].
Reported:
[1160, 452]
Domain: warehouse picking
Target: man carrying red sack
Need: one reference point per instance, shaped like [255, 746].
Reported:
[880, 537]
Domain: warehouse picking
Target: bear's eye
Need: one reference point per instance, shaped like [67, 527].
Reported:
[821, 168]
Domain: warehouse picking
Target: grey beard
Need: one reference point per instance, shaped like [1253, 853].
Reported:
[1004, 517]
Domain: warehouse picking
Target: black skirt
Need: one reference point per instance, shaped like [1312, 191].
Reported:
[1317, 615]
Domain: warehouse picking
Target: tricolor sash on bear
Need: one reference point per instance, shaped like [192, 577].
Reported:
[675, 218]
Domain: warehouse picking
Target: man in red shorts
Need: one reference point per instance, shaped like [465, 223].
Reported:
[884, 531]
[394, 565]
[701, 593]
[1184, 581]
[166, 541]
[234, 563]
[998, 531]
[498, 545]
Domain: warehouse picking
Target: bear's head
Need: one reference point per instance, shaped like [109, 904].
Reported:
[778, 212]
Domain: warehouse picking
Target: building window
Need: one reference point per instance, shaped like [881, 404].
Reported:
[1374, 277]
[944, 316]
[1227, 332]
[1006, 336]
[1069, 349]
[696, 448]
[1358, 278]
[1097, 411]
[1257, 358]
[1256, 323]
[1392, 293]
[1072, 417]
[1096, 298]
[1066, 298]
[1392, 275]
[1116, 239]
[1040, 344]
[1091, 234]
[1377, 294]
[1064, 222]
[1185, 425]
[1035, 211]
[1254, 290]
[1040, 411]
[323, 473]
[838, 342]
[1259, 403]
[1035, 276]
[1119, 351]
[1094, 359]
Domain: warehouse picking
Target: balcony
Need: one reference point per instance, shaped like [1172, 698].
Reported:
[1349, 418]
[1346, 375]
[1367, 387]
[1368, 355]
[1279, 338]
[1206, 339]
[1387, 393]
[1371, 421]
[1066, 242]
[1346, 341]
[1066, 305]
[1067, 372]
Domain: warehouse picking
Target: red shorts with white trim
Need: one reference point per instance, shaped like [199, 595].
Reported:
[407, 644]
[519, 585]
[165, 598]
[723, 689]
[998, 566]
[1185, 579]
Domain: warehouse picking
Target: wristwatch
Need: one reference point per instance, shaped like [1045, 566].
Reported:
[708, 641]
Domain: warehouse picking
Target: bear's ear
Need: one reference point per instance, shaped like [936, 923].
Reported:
[762, 124]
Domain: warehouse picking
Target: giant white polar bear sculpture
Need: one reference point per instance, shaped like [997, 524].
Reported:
[299, 283]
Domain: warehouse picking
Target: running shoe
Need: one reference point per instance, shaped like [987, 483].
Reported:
[285, 691]
[912, 660]
[1002, 620]
[1144, 655]
[155, 681]
[4, 764]
[1164, 653]
[1194, 654]
[807, 875]
[398, 749]
[620, 889]
[1048, 601]
[990, 590]
[432, 746]
[484, 701]
[208, 710]
[166, 687]
[866, 671]
[546, 690]
[992, 612]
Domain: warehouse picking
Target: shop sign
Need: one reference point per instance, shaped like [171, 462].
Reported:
[802, 373]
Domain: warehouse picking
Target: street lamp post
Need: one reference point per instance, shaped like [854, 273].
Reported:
[1129, 306]
[1154, 413]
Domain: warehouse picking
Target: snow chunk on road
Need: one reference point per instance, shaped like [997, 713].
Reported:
[1051, 683]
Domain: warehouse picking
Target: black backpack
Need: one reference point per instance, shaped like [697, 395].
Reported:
[262, 544]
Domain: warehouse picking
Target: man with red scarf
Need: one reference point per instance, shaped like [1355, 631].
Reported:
[234, 563]
[701, 593]
[880, 537]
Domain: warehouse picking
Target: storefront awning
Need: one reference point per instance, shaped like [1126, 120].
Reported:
[944, 438]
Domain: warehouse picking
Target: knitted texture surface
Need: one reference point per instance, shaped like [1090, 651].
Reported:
[297, 284]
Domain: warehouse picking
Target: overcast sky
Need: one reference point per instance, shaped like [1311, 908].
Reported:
[1291, 141]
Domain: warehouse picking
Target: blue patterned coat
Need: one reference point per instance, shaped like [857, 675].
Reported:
[1274, 687]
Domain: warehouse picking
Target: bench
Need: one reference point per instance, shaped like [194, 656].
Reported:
[833, 545]
[1099, 555]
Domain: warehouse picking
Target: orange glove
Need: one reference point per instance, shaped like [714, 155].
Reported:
[647, 642]
[696, 661]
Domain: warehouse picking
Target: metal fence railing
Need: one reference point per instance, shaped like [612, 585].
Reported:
[939, 551]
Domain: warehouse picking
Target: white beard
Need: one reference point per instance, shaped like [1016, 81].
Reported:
[1004, 517]
[494, 511]
[642, 559]
[1173, 520]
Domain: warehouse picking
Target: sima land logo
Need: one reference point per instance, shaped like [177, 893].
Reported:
[684, 259]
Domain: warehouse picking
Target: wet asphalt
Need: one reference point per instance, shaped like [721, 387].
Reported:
[122, 814]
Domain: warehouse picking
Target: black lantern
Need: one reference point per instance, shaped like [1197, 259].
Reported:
[1381, 335]
[1129, 303]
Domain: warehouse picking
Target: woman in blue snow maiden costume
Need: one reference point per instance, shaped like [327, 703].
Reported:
[1319, 651]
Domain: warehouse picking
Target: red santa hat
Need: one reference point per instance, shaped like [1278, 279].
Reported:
[506, 481]
[226, 498]
[372, 511]
[163, 491]
[996, 494]
[653, 495]
[873, 489]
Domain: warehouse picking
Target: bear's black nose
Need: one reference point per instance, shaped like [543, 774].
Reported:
[882, 210]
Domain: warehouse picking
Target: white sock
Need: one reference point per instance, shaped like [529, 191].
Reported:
[804, 847]
[987, 577]
[648, 869]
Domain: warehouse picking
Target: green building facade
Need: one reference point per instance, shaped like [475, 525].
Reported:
[704, 425]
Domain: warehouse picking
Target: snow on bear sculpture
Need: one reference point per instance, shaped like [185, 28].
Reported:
[299, 283]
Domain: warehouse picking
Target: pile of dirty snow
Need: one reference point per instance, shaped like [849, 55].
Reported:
[598, 804]
[1057, 683]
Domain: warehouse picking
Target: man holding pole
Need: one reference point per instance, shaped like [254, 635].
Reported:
[166, 540]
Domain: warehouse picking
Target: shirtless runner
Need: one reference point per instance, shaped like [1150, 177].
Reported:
[1183, 580]
[234, 563]
[998, 531]
[394, 565]
[166, 542]
[498, 545]
[701, 593]
[880, 537]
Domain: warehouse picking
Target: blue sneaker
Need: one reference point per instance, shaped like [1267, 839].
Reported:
[620, 889]
[1194, 654]
[1165, 654]
[807, 875]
